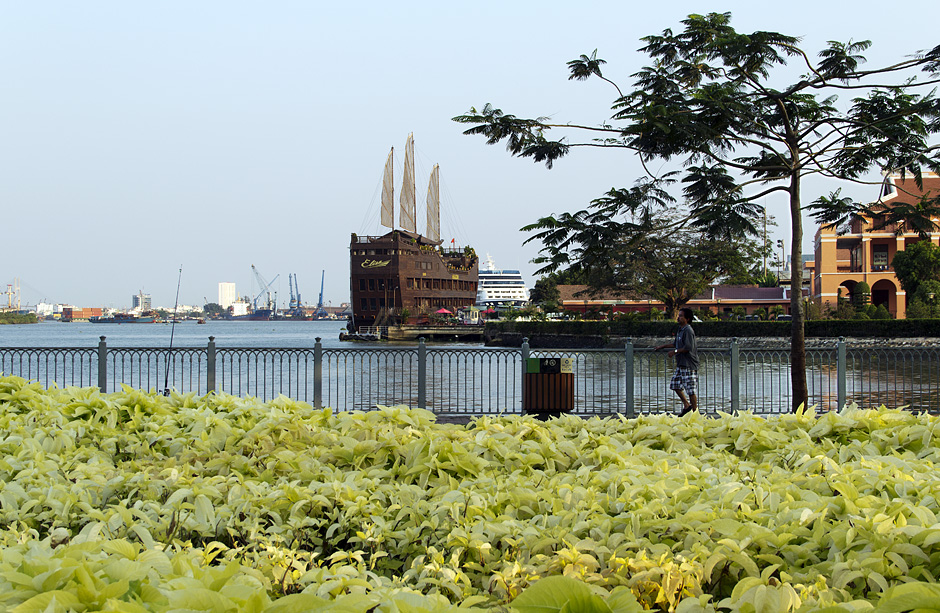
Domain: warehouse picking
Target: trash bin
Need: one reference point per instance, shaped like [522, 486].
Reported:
[548, 389]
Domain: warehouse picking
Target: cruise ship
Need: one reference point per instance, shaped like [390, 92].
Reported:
[497, 287]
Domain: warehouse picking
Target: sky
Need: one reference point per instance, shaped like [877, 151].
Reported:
[141, 138]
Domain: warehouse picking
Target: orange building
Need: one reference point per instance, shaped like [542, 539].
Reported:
[847, 256]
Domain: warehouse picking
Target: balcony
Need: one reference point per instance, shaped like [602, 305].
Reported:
[861, 226]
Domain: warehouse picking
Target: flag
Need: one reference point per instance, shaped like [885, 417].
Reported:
[452, 241]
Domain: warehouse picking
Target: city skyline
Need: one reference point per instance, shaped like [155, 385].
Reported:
[139, 139]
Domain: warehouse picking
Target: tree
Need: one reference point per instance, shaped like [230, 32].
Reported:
[712, 102]
[925, 301]
[861, 294]
[213, 309]
[918, 263]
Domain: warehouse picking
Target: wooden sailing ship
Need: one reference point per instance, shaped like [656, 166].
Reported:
[404, 277]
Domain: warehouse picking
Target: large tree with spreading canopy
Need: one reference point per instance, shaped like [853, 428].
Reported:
[715, 108]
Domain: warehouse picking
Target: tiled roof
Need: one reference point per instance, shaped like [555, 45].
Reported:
[722, 292]
[738, 292]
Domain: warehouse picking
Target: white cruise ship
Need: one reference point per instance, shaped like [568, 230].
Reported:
[497, 287]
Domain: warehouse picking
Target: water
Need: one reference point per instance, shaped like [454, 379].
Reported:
[290, 334]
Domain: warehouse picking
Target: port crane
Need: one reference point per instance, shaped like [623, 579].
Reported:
[321, 312]
[265, 289]
[295, 301]
[295, 305]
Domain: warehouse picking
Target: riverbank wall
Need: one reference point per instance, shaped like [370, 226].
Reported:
[612, 335]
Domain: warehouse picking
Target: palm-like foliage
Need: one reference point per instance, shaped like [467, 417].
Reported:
[711, 100]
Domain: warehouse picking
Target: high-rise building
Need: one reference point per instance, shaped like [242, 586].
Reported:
[141, 301]
[227, 294]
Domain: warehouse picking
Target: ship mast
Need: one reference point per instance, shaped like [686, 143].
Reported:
[434, 205]
[388, 193]
[407, 215]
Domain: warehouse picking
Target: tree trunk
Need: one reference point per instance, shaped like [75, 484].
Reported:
[797, 333]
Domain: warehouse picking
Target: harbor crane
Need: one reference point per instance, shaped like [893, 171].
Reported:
[295, 300]
[265, 289]
[296, 305]
[321, 312]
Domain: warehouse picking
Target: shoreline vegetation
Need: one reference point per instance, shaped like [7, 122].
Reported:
[18, 318]
[158, 503]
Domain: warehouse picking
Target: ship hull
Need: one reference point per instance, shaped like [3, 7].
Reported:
[405, 271]
[122, 320]
[259, 315]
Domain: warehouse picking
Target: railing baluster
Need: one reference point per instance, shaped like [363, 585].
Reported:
[735, 376]
[102, 365]
[628, 378]
[422, 373]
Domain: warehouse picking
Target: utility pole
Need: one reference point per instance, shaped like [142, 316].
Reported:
[765, 242]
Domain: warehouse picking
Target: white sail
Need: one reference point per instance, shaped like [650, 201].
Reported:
[434, 205]
[407, 215]
[388, 194]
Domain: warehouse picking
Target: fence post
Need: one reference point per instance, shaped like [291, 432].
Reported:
[102, 365]
[422, 374]
[628, 378]
[210, 365]
[840, 370]
[317, 374]
[735, 375]
[525, 361]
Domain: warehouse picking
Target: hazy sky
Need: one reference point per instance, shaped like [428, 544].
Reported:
[137, 137]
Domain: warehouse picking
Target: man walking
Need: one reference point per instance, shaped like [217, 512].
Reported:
[685, 379]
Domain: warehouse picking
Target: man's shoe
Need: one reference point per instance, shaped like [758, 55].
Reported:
[686, 411]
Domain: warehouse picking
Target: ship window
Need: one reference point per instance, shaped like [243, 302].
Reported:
[363, 303]
[370, 252]
[411, 283]
[427, 284]
[381, 284]
[437, 284]
[382, 302]
[372, 303]
[371, 285]
[362, 284]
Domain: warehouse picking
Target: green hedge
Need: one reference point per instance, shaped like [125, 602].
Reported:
[17, 318]
[825, 328]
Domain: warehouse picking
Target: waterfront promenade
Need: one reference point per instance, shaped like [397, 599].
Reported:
[468, 380]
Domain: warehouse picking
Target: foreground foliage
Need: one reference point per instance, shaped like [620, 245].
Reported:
[134, 502]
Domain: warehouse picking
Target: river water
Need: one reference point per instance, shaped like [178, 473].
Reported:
[186, 334]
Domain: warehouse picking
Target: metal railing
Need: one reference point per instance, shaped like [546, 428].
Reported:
[477, 381]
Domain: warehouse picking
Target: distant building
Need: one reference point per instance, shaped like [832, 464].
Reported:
[716, 299]
[141, 302]
[859, 252]
[227, 294]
